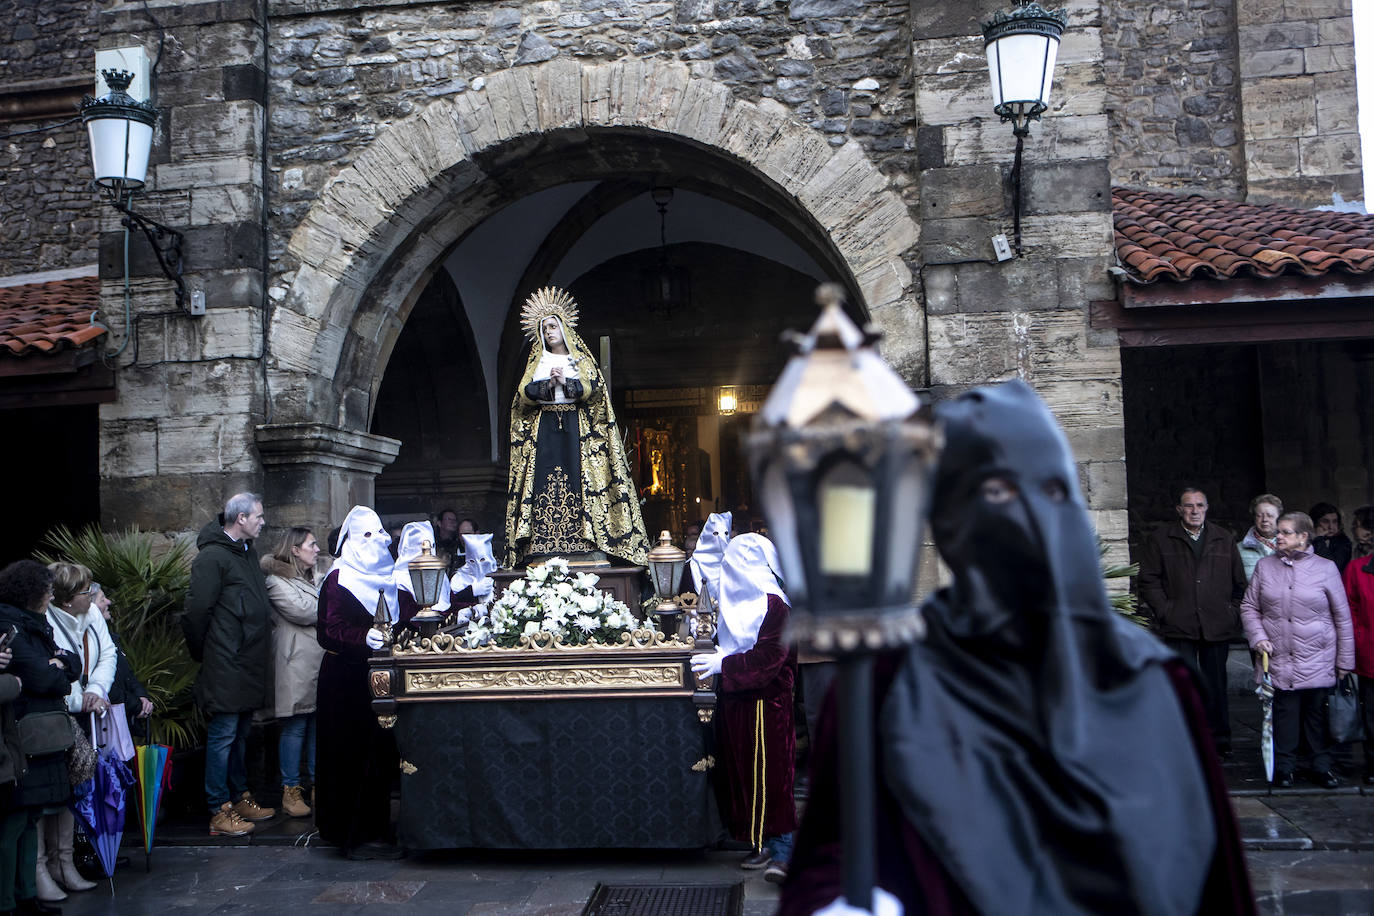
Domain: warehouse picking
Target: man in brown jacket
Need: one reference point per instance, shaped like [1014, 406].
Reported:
[1191, 581]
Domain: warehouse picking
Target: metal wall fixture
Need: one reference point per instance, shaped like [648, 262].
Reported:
[120, 128]
[1021, 47]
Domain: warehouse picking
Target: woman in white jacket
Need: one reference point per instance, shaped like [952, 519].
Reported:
[79, 628]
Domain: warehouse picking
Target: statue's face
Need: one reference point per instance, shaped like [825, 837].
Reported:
[552, 331]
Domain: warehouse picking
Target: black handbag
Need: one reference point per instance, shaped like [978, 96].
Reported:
[42, 733]
[1343, 711]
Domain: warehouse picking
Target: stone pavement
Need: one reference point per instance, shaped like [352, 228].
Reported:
[1310, 851]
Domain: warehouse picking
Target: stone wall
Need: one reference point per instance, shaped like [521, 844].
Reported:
[47, 214]
[338, 76]
[1302, 143]
[180, 436]
[1173, 88]
[1025, 317]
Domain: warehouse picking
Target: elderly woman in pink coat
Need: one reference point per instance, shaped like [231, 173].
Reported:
[1295, 609]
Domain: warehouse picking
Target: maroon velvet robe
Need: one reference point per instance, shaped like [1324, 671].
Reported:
[756, 744]
[910, 871]
[356, 759]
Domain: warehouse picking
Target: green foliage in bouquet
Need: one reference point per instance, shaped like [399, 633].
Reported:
[552, 600]
[147, 589]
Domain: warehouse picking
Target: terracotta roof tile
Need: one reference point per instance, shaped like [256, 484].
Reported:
[1162, 236]
[43, 317]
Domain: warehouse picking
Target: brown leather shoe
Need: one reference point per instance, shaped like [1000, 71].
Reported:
[228, 823]
[250, 810]
[292, 802]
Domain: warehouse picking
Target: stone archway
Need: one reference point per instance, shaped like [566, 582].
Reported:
[383, 224]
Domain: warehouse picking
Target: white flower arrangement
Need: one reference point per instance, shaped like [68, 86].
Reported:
[552, 600]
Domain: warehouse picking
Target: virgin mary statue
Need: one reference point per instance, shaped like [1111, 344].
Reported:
[570, 490]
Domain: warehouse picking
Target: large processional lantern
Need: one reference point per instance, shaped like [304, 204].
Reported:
[428, 579]
[665, 568]
[841, 460]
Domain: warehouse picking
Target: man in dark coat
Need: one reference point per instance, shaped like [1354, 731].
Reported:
[228, 630]
[1191, 580]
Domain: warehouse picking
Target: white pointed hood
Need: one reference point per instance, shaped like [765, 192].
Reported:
[710, 551]
[478, 561]
[413, 536]
[364, 560]
[749, 574]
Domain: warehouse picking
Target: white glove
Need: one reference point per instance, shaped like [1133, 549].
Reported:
[482, 587]
[375, 638]
[707, 665]
[884, 904]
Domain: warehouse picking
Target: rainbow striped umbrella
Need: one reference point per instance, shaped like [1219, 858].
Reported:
[153, 768]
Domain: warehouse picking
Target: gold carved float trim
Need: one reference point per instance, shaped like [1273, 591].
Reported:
[590, 678]
[445, 644]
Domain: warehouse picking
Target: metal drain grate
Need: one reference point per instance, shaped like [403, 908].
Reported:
[666, 900]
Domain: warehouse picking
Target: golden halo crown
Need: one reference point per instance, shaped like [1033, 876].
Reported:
[545, 302]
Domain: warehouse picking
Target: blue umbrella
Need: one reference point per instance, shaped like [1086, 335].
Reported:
[99, 805]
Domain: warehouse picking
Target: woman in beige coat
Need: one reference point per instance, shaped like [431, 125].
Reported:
[291, 587]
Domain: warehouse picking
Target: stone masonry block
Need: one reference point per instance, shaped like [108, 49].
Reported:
[1276, 108]
[705, 106]
[1330, 155]
[476, 124]
[1286, 62]
[217, 129]
[128, 448]
[972, 190]
[205, 444]
[1080, 235]
[558, 94]
[951, 241]
[1082, 185]
[514, 108]
[1336, 108]
[657, 104]
[1271, 158]
[941, 288]
[847, 180]
[1329, 59]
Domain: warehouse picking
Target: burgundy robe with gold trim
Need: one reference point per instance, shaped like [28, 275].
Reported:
[756, 743]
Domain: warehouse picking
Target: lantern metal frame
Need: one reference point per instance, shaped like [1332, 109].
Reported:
[667, 559]
[165, 241]
[427, 620]
[1028, 18]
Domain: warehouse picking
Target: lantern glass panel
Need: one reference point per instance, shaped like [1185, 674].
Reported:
[848, 503]
[119, 150]
[1022, 68]
[425, 583]
[904, 530]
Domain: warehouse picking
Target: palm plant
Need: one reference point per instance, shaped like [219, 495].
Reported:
[147, 588]
[1123, 602]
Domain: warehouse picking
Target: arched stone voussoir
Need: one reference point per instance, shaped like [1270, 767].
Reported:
[359, 245]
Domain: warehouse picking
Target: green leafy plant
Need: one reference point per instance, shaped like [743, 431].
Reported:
[147, 588]
[1123, 602]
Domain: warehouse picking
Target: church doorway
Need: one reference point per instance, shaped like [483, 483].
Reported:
[683, 307]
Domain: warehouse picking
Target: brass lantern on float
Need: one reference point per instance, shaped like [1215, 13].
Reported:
[666, 563]
[841, 461]
[428, 579]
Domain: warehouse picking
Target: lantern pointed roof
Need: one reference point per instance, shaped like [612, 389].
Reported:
[837, 369]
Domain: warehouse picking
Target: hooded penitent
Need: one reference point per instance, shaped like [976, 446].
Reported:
[413, 538]
[478, 562]
[709, 552]
[749, 574]
[570, 489]
[1034, 739]
[364, 560]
